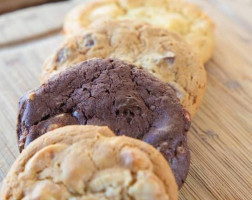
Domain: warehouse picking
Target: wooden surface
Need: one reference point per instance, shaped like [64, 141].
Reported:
[220, 138]
[11, 5]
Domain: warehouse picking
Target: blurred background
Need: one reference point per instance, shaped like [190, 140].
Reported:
[12, 5]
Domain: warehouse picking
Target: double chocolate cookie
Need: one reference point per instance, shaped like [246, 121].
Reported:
[109, 92]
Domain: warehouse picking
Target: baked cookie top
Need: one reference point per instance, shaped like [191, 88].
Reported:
[178, 16]
[159, 51]
[129, 100]
[89, 163]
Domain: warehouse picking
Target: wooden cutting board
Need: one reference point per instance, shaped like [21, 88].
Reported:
[220, 137]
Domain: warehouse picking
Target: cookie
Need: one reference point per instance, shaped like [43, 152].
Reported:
[109, 92]
[89, 162]
[181, 17]
[160, 52]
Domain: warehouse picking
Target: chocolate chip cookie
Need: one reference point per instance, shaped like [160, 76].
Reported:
[159, 51]
[178, 16]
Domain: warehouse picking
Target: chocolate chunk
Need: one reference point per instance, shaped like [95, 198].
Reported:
[61, 56]
[88, 40]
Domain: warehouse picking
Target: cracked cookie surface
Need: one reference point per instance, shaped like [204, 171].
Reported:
[159, 51]
[89, 163]
[131, 101]
[178, 16]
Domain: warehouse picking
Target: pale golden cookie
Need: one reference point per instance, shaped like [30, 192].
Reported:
[181, 17]
[159, 51]
[89, 163]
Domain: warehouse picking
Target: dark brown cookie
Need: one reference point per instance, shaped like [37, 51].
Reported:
[110, 92]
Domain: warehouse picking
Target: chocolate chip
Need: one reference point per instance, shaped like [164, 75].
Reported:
[169, 58]
[61, 56]
[88, 40]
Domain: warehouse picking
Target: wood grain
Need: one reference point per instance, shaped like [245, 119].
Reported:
[220, 138]
[11, 5]
[32, 23]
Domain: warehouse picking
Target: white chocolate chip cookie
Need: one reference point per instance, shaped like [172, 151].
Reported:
[181, 17]
[89, 163]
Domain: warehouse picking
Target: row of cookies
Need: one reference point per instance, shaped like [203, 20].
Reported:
[145, 72]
